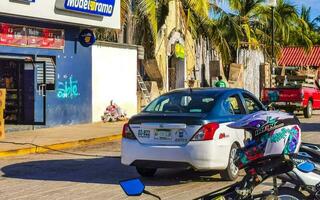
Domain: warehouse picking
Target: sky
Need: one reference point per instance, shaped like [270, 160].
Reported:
[314, 4]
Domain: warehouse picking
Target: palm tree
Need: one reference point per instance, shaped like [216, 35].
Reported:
[306, 16]
[313, 24]
[254, 18]
[289, 27]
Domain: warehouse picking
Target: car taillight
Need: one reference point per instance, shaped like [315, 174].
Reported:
[127, 133]
[206, 132]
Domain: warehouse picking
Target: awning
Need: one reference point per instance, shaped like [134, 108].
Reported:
[297, 56]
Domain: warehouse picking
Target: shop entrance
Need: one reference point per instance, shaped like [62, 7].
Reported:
[176, 72]
[26, 91]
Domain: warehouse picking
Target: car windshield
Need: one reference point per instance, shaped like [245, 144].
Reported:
[181, 103]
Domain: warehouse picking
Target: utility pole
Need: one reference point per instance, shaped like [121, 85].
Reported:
[273, 58]
[273, 4]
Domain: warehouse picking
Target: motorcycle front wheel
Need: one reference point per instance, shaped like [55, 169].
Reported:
[286, 193]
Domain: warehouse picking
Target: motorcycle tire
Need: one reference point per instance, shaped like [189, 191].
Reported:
[286, 193]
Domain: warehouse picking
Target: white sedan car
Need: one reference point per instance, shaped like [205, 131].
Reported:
[188, 129]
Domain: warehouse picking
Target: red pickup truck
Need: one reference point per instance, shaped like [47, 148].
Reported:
[293, 99]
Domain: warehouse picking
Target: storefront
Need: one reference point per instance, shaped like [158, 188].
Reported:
[46, 71]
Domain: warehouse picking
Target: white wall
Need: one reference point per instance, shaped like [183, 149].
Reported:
[114, 77]
[251, 60]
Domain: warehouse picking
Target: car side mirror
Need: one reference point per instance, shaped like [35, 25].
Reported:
[132, 187]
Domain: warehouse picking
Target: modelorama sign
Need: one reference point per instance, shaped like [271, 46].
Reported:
[54, 11]
[26, 36]
[95, 7]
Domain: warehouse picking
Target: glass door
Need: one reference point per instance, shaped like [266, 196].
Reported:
[34, 93]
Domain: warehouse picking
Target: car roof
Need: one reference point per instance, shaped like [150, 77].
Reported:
[206, 91]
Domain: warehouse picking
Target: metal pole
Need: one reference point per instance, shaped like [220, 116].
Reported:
[272, 62]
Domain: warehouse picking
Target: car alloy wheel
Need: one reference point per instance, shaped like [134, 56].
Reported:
[231, 173]
[233, 168]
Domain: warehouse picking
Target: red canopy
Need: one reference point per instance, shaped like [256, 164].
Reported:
[297, 56]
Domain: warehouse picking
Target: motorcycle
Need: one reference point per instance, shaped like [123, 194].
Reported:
[305, 177]
[256, 173]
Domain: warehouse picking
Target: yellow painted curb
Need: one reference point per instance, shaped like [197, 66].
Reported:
[59, 146]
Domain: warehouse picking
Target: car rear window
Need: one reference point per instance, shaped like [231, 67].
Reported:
[181, 103]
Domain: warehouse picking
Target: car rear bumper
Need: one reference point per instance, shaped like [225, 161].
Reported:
[288, 105]
[200, 155]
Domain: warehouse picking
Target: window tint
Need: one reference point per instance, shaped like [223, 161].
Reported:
[232, 105]
[251, 104]
[181, 103]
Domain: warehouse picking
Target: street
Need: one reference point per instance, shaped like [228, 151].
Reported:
[77, 76]
[96, 173]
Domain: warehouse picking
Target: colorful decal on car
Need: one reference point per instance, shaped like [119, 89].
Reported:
[293, 140]
[271, 124]
[277, 137]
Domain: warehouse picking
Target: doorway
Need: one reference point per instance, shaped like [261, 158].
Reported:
[176, 73]
[26, 91]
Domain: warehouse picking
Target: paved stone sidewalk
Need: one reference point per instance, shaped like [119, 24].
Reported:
[62, 134]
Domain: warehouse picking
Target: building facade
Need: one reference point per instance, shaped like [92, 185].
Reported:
[175, 57]
[46, 70]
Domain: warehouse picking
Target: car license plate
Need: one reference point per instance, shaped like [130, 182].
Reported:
[162, 134]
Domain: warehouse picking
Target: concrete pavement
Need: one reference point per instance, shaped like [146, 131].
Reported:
[311, 128]
[41, 140]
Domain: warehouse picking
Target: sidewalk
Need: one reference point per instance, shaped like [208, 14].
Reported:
[59, 138]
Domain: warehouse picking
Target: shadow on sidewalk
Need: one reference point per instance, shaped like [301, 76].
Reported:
[106, 170]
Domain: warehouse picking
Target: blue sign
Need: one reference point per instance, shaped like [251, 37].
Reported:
[87, 38]
[95, 7]
[26, 1]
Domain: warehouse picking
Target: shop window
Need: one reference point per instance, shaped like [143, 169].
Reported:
[50, 72]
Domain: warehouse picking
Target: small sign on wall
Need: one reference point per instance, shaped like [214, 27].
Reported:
[27, 36]
[87, 38]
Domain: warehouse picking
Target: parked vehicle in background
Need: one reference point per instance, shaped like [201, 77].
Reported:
[294, 92]
[187, 128]
[293, 99]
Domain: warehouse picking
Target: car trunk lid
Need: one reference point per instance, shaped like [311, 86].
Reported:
[165, 129]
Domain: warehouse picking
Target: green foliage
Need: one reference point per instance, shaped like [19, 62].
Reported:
[248, 25]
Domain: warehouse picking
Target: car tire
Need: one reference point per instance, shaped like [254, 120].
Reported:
[232, 171]
[146, 172]
[308, 110]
